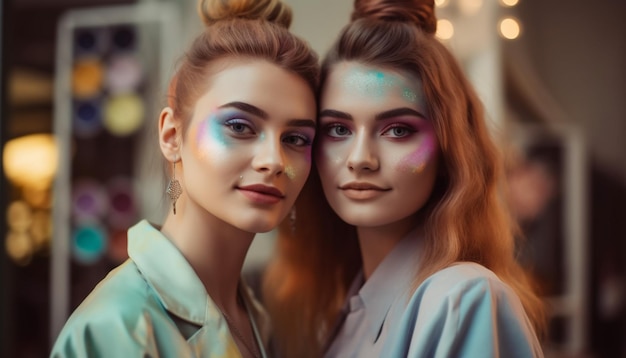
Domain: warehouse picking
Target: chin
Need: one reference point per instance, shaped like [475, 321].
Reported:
[260, 226]
[362, 220]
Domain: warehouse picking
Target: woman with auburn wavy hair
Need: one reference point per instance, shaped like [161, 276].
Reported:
[410, 250]
[237, 136]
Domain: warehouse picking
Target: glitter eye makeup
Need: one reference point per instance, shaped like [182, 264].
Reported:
[210, 136]
[217, 133]
[222, 127]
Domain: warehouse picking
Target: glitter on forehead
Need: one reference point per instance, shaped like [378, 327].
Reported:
[290, 172]
[370, 82]
[380, 84]
[409, 95]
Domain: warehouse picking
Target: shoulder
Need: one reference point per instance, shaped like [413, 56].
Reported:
[120, 309]
[466, 289]
[466, 281]
[465, 309]
[123, 291]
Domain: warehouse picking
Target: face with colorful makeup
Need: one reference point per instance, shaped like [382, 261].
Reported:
[378, 150]
[246, 152]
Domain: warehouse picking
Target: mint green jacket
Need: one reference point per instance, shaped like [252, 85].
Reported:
[153, 305]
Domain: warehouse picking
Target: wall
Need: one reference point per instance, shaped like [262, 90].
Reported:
[578, 48]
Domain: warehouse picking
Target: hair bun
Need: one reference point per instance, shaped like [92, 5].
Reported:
[274, 11]
[419, 12]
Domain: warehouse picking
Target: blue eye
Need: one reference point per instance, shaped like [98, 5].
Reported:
[297, 139]
[398, 131]
[239, 126]
[337, 130]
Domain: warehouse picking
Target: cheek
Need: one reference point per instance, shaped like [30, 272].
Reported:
[299, 167]
[208, 141]
[330, 154]
[416, 161]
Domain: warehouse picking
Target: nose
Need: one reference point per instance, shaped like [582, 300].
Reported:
[269, 157]
[362, 156]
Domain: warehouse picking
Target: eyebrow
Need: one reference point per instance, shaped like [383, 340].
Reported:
[246, 107]
[380, 116]
[301, 123]
[258, 112]
[398, 112]
[335, 114]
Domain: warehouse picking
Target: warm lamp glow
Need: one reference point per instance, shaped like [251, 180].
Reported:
[470, 7]
[19, 247]
[445, 29]
[509, 3]
[31, 161]
[441, 3]
[509, 28]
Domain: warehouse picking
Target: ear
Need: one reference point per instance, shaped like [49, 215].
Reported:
[169, 135]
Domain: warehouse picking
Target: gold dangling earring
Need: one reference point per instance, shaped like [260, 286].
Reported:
[174, 189]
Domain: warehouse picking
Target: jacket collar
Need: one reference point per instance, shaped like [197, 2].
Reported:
[167, 271]
[390, 283]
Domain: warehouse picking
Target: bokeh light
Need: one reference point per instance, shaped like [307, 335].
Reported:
[445, 29]
[510, 28]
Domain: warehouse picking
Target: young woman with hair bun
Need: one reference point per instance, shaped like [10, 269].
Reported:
[402, 245]
[237, 136]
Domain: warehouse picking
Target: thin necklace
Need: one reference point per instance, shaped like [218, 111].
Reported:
[251, 348]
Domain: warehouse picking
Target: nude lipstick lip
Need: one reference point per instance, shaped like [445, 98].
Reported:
[262, 194]
[361, 190]
[361, 186]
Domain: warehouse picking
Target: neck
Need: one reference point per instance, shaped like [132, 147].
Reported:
[377, 242]
[215, 250]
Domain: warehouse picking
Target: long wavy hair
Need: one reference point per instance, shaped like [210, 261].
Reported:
[465, 219]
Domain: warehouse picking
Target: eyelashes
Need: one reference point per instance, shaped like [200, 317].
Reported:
[398, 130]
[338, 130]
[241, 128]
[297, 139]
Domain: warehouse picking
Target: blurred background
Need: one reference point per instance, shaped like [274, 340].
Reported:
[82, 82]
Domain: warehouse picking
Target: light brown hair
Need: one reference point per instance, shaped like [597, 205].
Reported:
[255, 29]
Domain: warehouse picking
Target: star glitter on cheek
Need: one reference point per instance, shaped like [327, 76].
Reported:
[290, 172]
